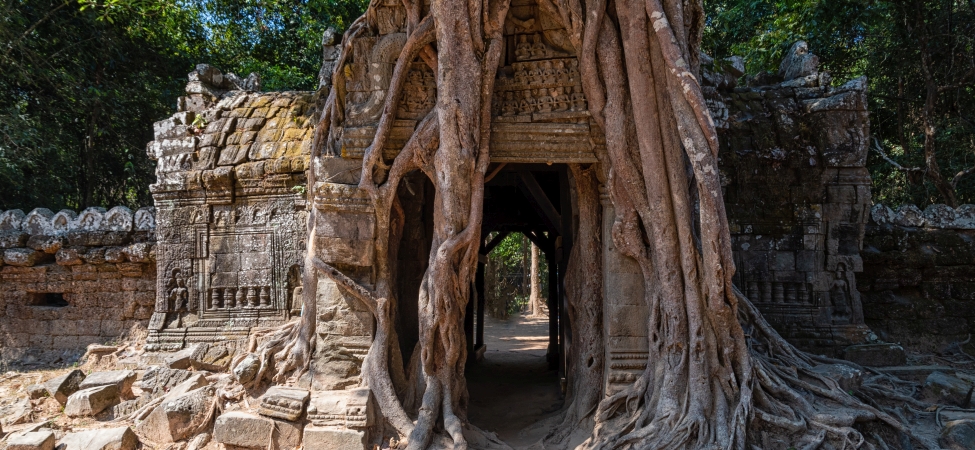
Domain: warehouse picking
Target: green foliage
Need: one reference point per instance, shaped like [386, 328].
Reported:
[78, 97]
[762, 31]
[509, 275]
[883, 40]
[898, 92]
[83, 81]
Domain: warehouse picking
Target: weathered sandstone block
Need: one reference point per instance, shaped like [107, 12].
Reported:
[91, 401]
[121, 438]
[62, 387]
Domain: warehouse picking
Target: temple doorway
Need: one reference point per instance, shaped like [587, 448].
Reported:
[515, 372]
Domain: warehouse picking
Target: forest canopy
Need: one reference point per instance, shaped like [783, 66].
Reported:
[83, 81]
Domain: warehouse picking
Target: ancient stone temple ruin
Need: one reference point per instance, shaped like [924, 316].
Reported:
[219, 258]
[230, 205]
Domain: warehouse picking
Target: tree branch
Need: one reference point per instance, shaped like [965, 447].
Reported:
[880, 151]
[958, 176]
[31, 29]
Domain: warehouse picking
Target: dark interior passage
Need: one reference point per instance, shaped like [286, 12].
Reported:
[512, 387]
[515, 369]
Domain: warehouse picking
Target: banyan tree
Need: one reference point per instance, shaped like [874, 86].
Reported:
[419, 91]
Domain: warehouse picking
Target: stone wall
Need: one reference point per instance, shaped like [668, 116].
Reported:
[918, 282]
[68, 280]
[797, 193]
[230, 195]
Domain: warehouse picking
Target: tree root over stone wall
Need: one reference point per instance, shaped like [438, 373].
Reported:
[717, 375]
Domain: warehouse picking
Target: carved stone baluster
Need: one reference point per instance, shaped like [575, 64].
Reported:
[753, 290]
[265, 297]
[242, 298]
[790, 292]
[777, 292]
[252, 297]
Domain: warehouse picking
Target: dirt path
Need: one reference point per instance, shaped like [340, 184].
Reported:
[512, 387]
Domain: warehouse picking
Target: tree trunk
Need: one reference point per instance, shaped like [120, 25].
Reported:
[707, 383]
[535, 298]
[932, 93]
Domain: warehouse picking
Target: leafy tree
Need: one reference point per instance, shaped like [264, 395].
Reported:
[919, 59]
[84, 80]
[77, 100]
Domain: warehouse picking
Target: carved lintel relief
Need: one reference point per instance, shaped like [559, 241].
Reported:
[367, 88]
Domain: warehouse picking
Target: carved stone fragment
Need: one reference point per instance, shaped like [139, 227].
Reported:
[351, 408]
[284, 402]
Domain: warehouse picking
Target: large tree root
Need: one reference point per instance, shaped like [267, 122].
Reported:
[717, 374]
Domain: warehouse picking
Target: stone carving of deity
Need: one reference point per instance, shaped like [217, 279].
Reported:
[527, 103]
[845, 298]
[561, 100]
[544, 101]
[548, 74]
[523, 49]
[538, 49]
[578, 99]
[573, 71]
[509, 106]
[534, 73]
[521, 75]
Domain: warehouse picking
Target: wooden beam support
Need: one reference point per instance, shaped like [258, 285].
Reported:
[494, 242]
[537, 196]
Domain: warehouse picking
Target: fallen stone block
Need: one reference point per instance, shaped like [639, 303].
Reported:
[62, 387]
[178, 418]
[130, 406]
[349, 408]
[122, 379]
[876, 355]
[212, 358]
[160, 380]
[943, 389]
[284, 402]
[34, 440]
[121, 438]
[181, 359]
[91, 401]
[332, 438]
[36, 391]
[191, 384]
[242, 429]
[958, 435]
[247, 368]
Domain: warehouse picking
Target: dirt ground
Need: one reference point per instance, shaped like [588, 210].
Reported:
[512, 387]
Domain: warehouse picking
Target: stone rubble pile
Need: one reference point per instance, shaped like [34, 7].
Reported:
[201, 405]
